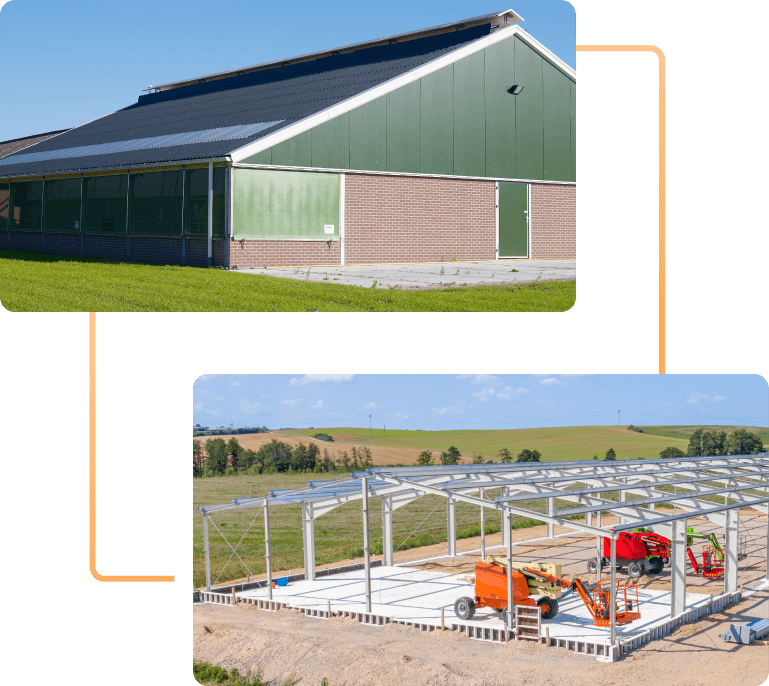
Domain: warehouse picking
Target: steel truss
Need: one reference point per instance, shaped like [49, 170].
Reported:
[740, 479]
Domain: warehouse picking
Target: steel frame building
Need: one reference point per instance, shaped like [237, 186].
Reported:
[742, 481]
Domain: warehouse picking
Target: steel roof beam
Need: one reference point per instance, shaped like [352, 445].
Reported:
[686, 515]
[644, 485]
[649, 501]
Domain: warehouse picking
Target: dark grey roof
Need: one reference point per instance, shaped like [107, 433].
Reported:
[15, 144]
[494, 19]
[284, 95]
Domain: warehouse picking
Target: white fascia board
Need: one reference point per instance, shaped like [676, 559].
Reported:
[552, 57]
[371, 94]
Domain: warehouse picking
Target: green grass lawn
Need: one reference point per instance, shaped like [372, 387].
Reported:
[48, 283]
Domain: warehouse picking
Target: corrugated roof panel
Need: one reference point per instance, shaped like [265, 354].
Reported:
[208, 135]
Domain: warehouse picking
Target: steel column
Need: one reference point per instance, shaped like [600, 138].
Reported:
[550, 525]
[731, 550]
[483, 529]
[387, 530]
[366, 553]
[613, 590]
[509, 545]
[207, 552]
[622, 519]
[678, 568]
[308, 536]
[210, 213]
[451, 520]
[267, 556]
[506, 525]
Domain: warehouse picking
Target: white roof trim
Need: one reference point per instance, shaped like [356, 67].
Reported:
[388, 86]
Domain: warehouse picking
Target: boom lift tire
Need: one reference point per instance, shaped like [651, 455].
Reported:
[464, 608]
[634, 570]
[656, 565]
[592, 566]
[548, 606]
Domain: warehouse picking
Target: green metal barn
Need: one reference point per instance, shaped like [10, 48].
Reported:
[455, 142]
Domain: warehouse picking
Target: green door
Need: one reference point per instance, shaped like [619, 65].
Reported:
[513, 220]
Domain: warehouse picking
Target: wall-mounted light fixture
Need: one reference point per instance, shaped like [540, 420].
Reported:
[515, 90]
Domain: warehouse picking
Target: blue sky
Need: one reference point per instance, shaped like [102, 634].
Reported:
[432, 402]
[66, 63]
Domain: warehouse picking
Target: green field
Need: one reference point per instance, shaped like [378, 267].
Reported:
[558, 443]
[338, 534]
[46, 283]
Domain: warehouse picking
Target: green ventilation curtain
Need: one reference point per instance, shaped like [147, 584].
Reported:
[62, 206]
[5, 197]
[196, 202]
[156, 204]
[104, 204]
[26, 205]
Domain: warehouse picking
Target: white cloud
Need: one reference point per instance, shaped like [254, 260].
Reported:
[249, 407]
[551, 381]
[478, 378]
[485, 394]
[371, 405]
[446, 410]
[317, 405]
[694, 398]
[202, 377]
[236, 383]
[197, 406]
[320, 378]
[291, 402]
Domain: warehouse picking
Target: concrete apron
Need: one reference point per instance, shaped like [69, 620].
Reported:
[434, 275]
[413, 595]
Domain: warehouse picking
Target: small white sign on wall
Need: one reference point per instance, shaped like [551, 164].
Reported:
[328, 228]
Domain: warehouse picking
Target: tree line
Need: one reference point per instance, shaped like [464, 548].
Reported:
[714, 443]
[453, 456]
[218, 458]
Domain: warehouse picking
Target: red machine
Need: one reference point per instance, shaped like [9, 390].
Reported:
[639, 551]
[491, 591]
[712, 566]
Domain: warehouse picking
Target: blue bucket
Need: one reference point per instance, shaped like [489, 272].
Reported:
[282, 581]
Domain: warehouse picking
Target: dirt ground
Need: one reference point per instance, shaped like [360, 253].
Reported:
[379, 455]
[287, 645]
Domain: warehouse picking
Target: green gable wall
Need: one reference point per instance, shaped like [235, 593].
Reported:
[460, 120]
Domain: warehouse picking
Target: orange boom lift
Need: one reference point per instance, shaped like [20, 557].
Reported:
[491, 591]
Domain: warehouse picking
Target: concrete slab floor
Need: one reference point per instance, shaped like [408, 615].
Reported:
[415, 595]
[433, 275]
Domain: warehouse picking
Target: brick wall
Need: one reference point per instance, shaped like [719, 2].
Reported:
[27, 242]
[553, 222]
[62, 244]
[413, 219]
[257, 253]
